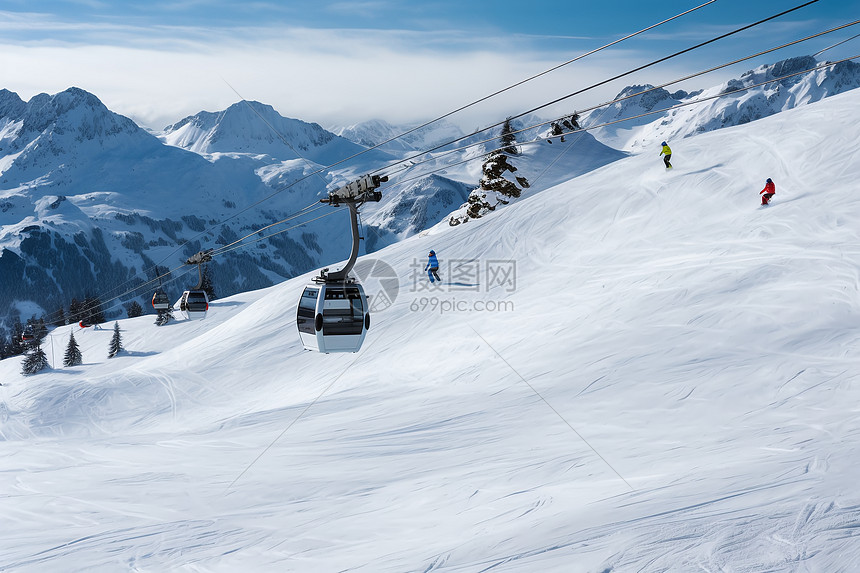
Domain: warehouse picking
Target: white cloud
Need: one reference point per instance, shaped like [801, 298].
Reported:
[159, 75]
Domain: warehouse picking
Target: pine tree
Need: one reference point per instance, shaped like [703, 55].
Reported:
[93, 313]
[16, 344]
[115, 341]
[207, 283]
[134, 309]
[73, 355]
[508, 138]
[41, 328]
[75, 311]
[59, 317]
[35, 360]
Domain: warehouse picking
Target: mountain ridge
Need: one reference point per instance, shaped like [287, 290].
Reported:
[734, 109]
[68, 165]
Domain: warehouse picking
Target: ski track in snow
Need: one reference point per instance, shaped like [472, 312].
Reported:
[663, 329]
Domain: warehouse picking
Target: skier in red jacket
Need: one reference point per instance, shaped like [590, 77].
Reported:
[768, 191]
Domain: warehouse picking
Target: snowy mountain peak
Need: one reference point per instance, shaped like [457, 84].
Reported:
[10, 104]
[53, 133]
[238, 115]
[73, 111]
[257, 128]
[648, 100]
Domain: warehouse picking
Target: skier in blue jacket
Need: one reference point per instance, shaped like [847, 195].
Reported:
[432, 267]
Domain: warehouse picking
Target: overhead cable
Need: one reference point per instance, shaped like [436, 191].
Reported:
[652, 112]
[834, 45]
[627, 73]
[414, 163]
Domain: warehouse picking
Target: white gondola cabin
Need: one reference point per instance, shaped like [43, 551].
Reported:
[333, 317]
[332, 314]
[194, 303]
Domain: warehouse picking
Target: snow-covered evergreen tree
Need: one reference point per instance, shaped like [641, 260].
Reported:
[59, 317]
[35, 360]
[115, 341]
[207, 283]
[16, 344]
[76, 311]
[93, 313]
[73, 356]
[41, 328]
[508, 138]
[134, 309]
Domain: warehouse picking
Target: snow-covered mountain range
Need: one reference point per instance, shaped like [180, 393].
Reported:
[378, 132]
[90, 201]
[633, 370]
[743, 107]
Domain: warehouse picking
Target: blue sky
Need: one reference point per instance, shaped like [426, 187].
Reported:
[340, 62]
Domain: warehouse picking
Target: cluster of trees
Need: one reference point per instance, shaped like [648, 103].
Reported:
[35, 359]
[87, 310]
[27, 339]
[21, 334]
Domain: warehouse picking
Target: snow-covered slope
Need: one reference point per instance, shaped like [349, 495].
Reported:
[738, 109]
[654, 376]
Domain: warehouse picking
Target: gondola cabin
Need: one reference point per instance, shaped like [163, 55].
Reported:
[194, 303]
[28, 335]
[333, 317]
[160, 300]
